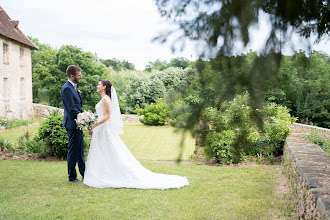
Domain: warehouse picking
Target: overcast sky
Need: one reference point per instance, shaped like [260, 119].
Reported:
[121, 29]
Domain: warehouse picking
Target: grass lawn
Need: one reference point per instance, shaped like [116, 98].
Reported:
[40, 190]
[155, 143]
[12, 134]
[145, 142]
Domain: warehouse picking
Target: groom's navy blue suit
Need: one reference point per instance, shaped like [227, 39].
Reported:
[72, 107]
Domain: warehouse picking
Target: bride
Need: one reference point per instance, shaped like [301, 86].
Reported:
[110, 164]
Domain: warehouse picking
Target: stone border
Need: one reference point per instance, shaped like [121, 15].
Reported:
[309, 129]
[308, 168]
[43, 111]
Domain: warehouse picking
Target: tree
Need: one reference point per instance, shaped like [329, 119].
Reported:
[303, 85]
[48, 72]
[137, 93]
[118, 65]
[219, 24]
[156, 65]
[179, 62]
[43, 60]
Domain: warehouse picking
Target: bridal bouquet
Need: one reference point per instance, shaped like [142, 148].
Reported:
[85, 119]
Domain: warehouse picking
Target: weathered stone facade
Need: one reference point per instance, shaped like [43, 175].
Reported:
[15, 69]
[15, 80]
[308, 168]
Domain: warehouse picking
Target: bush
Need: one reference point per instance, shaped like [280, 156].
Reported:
[27, 145]
[277, 124]
[223, 141]
[220, 146]
[320, 141]
[155, 113]
[6, 145]
[54, 136]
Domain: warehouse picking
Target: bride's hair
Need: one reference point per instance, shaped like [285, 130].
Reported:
[107, 85]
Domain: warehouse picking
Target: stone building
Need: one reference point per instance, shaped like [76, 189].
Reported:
[15, 70]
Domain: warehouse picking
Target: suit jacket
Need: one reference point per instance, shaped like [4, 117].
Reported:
[72, 105]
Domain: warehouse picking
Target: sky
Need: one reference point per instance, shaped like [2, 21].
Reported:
[121, 29]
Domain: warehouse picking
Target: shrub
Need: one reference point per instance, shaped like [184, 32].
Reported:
[232, 135]
[224, 142]
[277, 122]
[320, 141]
[27, 145]
[54, 136]
[179, 114]
[6, 145]
[219, 146]
[155, 113]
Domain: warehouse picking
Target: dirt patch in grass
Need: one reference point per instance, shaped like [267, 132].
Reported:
[41, 157]
[33, 157]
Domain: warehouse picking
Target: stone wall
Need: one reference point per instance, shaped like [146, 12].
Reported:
[308, 168]
[309, 129]
[131, 118]
[43, 111]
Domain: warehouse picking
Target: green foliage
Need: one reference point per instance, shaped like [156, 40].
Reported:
[277, 122]
[219, 26]
[118, 65]
[136, 89]
[155, 113]
[160, 65]
[223, 142]
[320, 141]
[260, 158]
[54, 136]
[303, 85]
[48, 71]
[218, 147]
[13, 123]
[26, 144]
[211, 22]
[6, 145]
[137, 93]
[43, 62]
[271, 158]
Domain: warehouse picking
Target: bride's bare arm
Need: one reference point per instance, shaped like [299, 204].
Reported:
[106, 113]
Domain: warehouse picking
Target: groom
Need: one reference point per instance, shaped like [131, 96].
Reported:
[72, 107]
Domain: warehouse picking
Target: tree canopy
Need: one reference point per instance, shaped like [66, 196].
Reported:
[219, 24]
[49, 73]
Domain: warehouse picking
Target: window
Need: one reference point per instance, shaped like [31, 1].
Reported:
[22, 94]
[5, 53]
[4, 88]
[21, 56]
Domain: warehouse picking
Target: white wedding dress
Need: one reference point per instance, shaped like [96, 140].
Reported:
[111, 165]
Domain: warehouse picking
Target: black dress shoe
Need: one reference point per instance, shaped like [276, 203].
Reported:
[74, 181]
